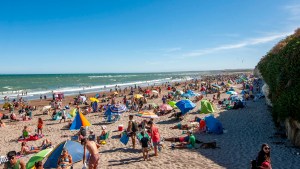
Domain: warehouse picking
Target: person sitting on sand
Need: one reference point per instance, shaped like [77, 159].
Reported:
[38, 165]
[2, 124]
[13, 162]
[25, 149]
[25, 132]
[189, 144]
[65, 160]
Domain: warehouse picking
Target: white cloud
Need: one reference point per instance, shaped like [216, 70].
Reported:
[248, 42]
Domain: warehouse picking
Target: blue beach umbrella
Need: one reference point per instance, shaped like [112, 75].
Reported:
[185, 106]
[117, 109]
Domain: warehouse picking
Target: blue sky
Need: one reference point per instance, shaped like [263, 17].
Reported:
[140, 35]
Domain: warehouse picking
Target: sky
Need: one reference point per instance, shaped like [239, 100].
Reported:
[121, 36]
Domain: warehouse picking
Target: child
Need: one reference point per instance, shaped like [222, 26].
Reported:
[145, 143]
[40, 126]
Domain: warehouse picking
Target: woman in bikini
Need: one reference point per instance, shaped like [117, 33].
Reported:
[25, 149]
[65, 160]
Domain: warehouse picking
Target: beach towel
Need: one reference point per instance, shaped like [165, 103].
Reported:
[31, 138]
[124, 139]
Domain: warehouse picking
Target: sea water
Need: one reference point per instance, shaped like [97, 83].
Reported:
[32, 86]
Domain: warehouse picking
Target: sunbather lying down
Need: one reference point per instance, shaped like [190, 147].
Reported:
[182, 126]
[25, 149]
[190, 143]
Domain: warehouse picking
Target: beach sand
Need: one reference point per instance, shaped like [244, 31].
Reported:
[245, 130]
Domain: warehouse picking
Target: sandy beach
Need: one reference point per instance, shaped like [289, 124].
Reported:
[244, 131]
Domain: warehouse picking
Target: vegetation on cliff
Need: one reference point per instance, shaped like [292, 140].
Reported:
[280, 68]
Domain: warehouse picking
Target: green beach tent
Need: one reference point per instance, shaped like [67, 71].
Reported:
[206, 107]
[38, 157]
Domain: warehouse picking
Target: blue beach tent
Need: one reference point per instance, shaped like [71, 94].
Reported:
[75, 149]
[213, 125]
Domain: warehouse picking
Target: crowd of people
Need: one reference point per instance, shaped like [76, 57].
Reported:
[146, 132]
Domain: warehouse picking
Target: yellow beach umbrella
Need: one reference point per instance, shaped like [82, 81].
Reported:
[138, 96]
[93, 99]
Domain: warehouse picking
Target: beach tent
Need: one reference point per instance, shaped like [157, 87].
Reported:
[38, 157]
[213, 125]
[79, 121]
[75, 149]
[206, 107]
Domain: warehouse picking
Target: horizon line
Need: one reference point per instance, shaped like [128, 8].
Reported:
[244, 69]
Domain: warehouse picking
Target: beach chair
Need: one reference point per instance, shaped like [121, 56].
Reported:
[105, 137]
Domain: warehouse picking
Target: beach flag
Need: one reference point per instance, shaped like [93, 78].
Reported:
[79, 121]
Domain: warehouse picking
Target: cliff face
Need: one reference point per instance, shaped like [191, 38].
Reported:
[280, 69]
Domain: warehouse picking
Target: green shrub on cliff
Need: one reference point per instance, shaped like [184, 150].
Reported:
[280, 68]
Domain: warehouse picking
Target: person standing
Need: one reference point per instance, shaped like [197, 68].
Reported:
[155, 136]
[132, 129]
[92, 147]
[40, 126]
[145, 144]
[63, 115]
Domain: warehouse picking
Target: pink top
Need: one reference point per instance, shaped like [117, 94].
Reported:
[155, 134]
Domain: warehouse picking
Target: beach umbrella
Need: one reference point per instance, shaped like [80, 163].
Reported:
[231, 92]
[154, 91]
[186, 95]
[185, 105]
[75, 149]
[93, 99]
[38, 157]
[165, 107]
[117, 108]
[146, 114]
[138, 96]
[172, 104]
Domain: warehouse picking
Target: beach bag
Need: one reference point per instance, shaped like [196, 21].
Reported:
[124, 139]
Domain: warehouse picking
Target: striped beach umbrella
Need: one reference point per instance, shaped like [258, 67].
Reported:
[146, 114]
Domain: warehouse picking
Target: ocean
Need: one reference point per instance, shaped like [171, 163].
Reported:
[71, 84]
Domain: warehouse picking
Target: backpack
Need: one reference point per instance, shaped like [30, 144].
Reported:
[134, 126]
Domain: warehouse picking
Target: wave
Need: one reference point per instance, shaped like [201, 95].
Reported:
[7, 87]
[110, 76]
